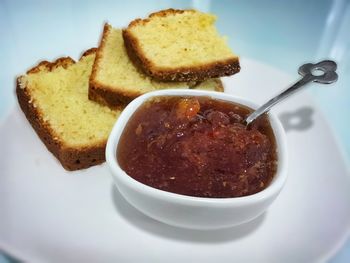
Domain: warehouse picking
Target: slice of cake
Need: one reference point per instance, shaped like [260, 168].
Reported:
[54, 98]
[115, 81]
[179, 45]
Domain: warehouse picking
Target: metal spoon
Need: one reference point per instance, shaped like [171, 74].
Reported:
[308, 71]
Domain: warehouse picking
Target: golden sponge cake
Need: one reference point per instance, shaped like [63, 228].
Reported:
[179, 45]
[54, 98]
[115, 81]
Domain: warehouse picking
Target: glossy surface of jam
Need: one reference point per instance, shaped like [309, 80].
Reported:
[198, 146]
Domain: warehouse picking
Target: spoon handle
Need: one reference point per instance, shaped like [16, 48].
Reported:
[326, 67]
[268, 105]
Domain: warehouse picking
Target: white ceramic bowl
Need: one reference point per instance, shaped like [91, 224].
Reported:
[187, 211]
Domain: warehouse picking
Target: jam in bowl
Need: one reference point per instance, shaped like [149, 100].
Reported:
[186, 158]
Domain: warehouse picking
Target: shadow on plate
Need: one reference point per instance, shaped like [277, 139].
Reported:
[299, 120]
[147, 224]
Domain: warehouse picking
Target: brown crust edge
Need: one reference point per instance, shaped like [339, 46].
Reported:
[70, 158]
[104, 94]
[217, 69]
[107, 97]
[213, 70]
[220, 86]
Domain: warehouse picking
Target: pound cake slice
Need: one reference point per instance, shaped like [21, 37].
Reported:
[179, 45]
[54, 98]
[115, 81]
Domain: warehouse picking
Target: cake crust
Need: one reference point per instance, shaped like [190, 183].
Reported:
[70, 158]
[210, 70]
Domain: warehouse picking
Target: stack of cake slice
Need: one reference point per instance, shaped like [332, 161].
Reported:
[72, 106]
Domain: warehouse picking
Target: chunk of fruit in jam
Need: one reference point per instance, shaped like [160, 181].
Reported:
[187, 108]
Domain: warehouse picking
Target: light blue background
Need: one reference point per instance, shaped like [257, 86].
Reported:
[284, 34]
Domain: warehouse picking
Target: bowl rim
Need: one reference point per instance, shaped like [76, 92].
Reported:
[120, 175]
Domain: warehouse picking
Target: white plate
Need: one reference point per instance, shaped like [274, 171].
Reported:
[51, 215]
